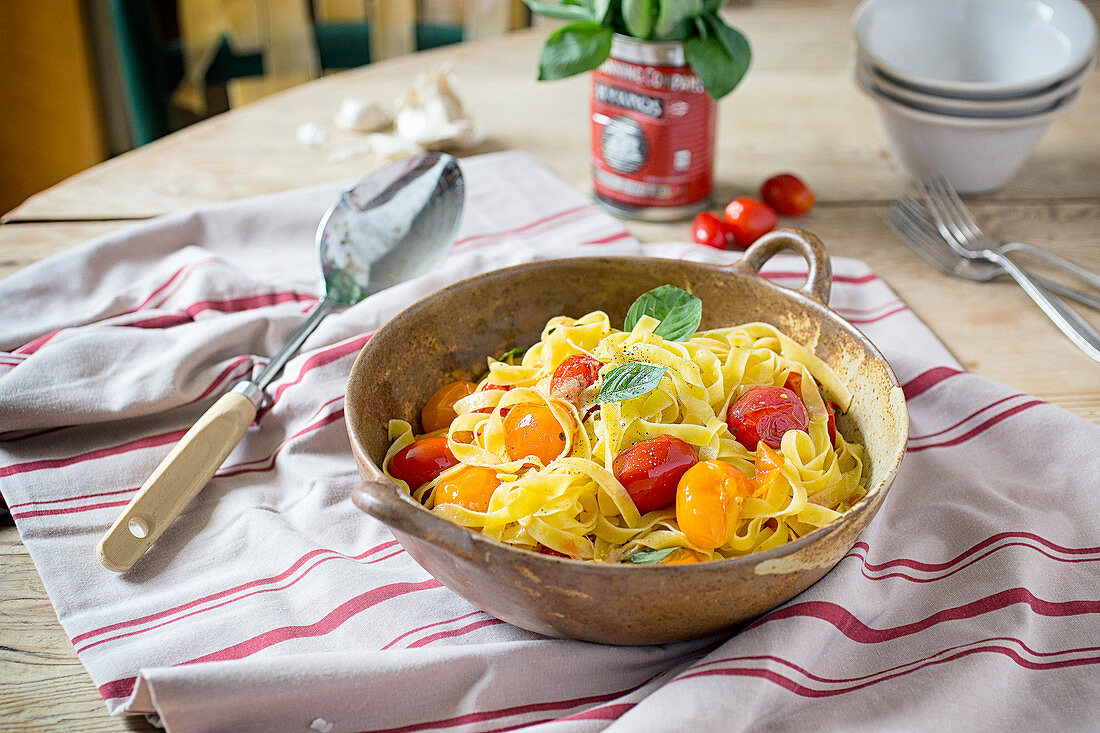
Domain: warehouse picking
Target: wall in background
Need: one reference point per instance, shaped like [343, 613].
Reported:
[50, 120]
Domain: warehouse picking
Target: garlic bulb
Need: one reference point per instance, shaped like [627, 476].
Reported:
[431, 115]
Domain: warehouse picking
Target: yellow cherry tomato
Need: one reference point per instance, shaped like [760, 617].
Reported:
[531, 429]
[439, 410]
[470, 487]
[708, 502]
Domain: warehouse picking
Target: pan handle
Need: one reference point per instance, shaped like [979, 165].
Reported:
[385, 501]
[819, 279]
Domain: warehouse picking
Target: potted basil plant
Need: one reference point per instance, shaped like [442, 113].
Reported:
[657, 67]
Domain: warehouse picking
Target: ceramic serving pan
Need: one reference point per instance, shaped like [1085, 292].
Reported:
[448, 335]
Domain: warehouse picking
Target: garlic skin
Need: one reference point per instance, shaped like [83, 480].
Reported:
[431, 115]
[361, 115]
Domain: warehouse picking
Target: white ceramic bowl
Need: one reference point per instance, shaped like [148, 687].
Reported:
[976, 155]
[976, 49]
[1044, 100]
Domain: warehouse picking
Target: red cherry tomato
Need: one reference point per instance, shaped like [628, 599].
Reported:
[531, 429]
[573, 376]
[766, 413]
[787, 194]
[439, 410]
[794, 383]
[748, 220]
[485, 388]
[708, 229]
[708, 503]
[421, 461]
[650, 469]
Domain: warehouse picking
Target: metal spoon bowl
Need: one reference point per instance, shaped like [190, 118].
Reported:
[395, 224]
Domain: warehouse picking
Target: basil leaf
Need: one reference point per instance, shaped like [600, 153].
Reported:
[565, 11]
[678, 311]
[735, 43]
[650, 557]
[721, 59]
[574, 48]
[518, 351]
[600, 9]
[674, 20]
[629, 381]
[640, 16]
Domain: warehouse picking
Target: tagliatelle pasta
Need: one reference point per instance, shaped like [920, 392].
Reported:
[572, 503]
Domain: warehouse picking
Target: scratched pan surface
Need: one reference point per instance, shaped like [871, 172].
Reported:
[447, 336]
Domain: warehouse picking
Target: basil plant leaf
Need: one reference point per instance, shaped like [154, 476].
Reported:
[678, 311]
[674, 19]
[570, 11]
[573, 49]
[629, 381]
[600, 9]
[519, 351]
[640, 16]
[720, 59]
[650, 557]
[735, 43]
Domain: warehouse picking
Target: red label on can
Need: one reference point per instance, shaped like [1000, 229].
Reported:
[652, 135]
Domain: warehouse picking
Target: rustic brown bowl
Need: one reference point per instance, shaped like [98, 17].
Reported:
[447, 336]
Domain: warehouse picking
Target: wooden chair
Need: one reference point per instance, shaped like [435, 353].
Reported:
[152, 59]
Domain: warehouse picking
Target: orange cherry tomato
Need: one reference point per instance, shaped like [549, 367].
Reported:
[708, 229]
[439, 410]
[650, 469]
[531, 429]
[748, 219]
[766, 413]
[787, 194]
[707, 506]
[421, 461]
[767, 462]
[470, 487]
[794, 383]
[573, 376]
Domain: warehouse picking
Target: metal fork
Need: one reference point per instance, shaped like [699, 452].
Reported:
[916, 228]
[957, 223]
[1077, 329]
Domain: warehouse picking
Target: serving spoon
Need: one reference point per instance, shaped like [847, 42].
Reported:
[393, 225]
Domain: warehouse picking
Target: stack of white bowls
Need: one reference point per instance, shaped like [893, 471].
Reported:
[967, 87]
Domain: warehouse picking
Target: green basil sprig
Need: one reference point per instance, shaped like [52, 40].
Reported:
[678, 311]
[629, 381]
[719, 54]
[650, 557]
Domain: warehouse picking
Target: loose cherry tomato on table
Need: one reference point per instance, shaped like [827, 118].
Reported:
[708, 229]
[531, 429]
[766, 413]
[573, 376]
[787, 195]
[748, 219]
[794, 383]
[708, 502]
[470, 487]
[650, 469]
[439, 410]
[421, 461]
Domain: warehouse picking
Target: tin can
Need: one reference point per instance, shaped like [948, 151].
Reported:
[652, 132]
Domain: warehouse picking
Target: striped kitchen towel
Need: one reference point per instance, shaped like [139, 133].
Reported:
[272, 603]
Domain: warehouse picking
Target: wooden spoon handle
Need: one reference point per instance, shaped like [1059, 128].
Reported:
[178, 478]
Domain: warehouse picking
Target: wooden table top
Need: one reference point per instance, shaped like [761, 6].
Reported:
[797, 110]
